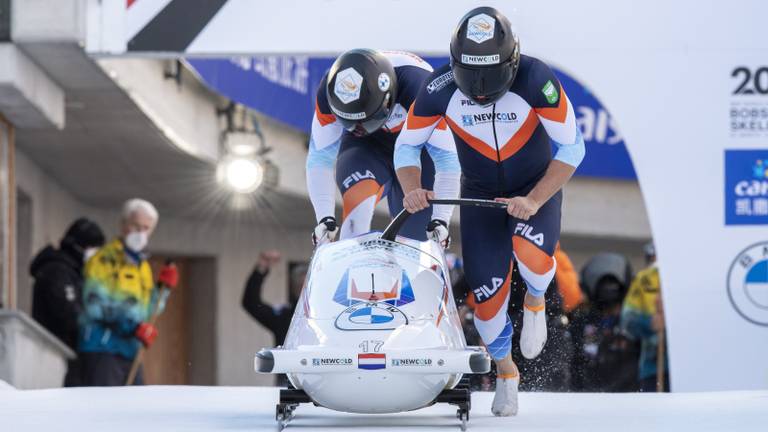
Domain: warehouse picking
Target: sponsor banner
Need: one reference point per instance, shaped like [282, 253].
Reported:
[284, 88]
[748, 114]
[746, 187]
[373, 361]
[748, 284]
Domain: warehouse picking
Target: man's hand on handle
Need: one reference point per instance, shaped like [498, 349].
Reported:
[521, 207]
[325, 231]
[417, 200]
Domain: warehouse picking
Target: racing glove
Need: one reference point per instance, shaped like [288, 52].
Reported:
[325, 231]
[146, 333]
[437, 230]
[169, 276]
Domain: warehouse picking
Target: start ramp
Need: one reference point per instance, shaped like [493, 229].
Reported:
[185, 408]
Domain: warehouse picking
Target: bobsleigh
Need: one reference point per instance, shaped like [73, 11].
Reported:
[376, 329]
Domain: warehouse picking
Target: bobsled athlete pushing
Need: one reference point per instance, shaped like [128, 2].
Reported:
[376, 329]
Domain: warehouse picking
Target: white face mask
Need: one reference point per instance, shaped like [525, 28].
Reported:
[136, 240]
[88, 253]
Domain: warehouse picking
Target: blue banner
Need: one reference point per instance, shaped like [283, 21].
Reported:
[746, 187]
[283, 87]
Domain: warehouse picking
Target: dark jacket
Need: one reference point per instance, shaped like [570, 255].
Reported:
[276, 319]
[57, 291]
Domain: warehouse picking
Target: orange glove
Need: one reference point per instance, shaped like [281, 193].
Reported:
[146, 333]
[169, 276]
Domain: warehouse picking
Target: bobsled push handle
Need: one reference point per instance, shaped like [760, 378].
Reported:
[394, 227]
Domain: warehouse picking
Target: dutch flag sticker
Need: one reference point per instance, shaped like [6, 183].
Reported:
[371, 361]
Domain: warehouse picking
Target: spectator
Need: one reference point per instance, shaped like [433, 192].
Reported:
[276, 319]
[58, 286]
[567, 281]
[642, 319]
[118, 296]
[604, 359]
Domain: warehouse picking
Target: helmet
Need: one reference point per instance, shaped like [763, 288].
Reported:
[485, 55]
[361, 90]
[605, 278]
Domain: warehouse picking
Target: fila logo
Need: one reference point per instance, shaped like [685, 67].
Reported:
[527, 232]
[484, 293]
[356, 177]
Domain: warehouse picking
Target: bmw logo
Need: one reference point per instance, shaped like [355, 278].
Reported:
[371, 315]
[748, 283]
[384, 82]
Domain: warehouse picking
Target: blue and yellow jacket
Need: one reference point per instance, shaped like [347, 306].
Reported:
[118, 295]
[637, 313]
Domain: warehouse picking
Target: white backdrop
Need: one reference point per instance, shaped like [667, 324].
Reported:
[663, 69]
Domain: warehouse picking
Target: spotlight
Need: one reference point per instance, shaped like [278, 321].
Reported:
[241, 174]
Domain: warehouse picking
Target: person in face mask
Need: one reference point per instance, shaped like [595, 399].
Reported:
[58, 286]
[119, 296]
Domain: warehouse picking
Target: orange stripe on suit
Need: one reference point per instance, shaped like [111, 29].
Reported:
[534, 258]
[488, 309]
[418, 122]
[359, 192]
[506, 151]
[324, 119]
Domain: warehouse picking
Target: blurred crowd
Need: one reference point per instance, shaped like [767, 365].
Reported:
[99, 296]
[605, 326]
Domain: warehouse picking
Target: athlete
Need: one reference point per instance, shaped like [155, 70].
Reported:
[362, 104]
[505, 111]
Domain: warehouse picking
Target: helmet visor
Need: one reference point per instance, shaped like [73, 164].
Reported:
[369, 124]
[484, 84]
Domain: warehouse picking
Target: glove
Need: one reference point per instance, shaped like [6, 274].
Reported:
[437, 230]
[146, 333]
[325, 231]
[169, 276]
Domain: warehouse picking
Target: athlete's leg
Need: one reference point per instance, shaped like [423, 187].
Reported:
[534, 243]
[487, 252]
[416, 225]
[361, 177]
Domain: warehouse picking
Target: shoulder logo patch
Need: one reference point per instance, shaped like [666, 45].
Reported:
[348, 85]
[480, 28]
[550, 92]
[440, 82]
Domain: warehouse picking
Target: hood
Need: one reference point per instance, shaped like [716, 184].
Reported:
[50, 255]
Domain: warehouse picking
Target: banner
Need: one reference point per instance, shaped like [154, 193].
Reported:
[284, 88]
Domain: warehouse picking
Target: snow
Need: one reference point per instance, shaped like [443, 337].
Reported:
[181, 408]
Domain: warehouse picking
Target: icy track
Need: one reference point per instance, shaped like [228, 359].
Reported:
[160, 408]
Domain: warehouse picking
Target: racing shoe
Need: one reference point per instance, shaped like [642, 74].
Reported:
[534, 334]
[505, 399]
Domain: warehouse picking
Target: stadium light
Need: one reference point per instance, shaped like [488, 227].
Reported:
[241, 174]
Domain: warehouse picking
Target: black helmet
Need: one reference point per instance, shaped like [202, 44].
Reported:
[485, 55]
[361, 89]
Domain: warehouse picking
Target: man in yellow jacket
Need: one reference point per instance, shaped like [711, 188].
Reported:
[119, 296]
